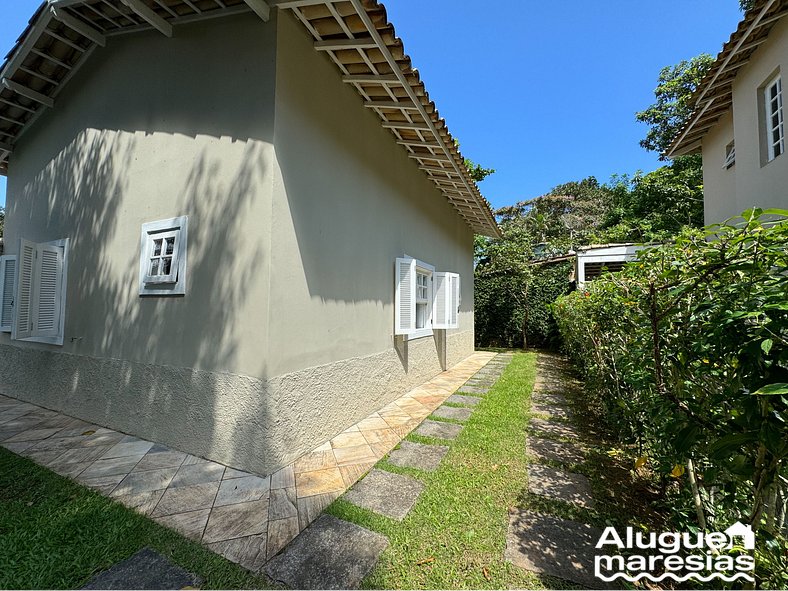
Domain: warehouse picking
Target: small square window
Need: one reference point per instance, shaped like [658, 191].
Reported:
[163, 257]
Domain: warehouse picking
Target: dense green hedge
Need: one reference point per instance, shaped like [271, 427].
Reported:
[502, 301]
[687, 349]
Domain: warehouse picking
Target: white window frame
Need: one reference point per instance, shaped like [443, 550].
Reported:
[774, 108]
[4, 260]
[59, 336]
[174, 283]
[428, 271]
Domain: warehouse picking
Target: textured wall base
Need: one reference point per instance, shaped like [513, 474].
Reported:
[243, 422]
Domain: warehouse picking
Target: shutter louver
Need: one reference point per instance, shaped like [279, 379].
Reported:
[405, 297]
[7, 292]
[23, 325]
[49, 278]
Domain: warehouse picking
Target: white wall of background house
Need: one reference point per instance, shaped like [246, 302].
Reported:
[298, 205]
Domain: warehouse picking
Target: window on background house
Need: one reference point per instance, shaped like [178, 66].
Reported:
[424, 299]
[775, 134]
[730, 155]
[39, 288]
[163, 257]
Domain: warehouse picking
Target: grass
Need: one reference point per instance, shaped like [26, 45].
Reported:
[455, 536]
[56, 534]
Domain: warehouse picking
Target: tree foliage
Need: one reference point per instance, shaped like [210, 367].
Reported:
[668, 114]
[687, 350]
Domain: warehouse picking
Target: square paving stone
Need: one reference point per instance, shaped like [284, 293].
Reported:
[147, 569]
[560, 485]
[392, 495]
[329, 554]
[184, 499]
[555, 429]
[553, 546]
[555, 411]
[438, 430]
[549, 398]
[249, 552]
[474, 390]
[241, 490]
[454, 413]
[140, 482]
[555, 451]
[418, 455]
[197, 474]
[467, 400]
[237, 521]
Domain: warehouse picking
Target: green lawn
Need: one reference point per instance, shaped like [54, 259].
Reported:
[55, 534]
[455, 536]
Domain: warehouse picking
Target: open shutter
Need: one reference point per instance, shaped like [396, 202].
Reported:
[454, 298]
[405, 297]
[49, 281]
[446, 302]
[23, 323]
[7, 291]
[440, 303]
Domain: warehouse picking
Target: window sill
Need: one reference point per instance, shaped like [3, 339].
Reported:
[419, 334]
[44, 340]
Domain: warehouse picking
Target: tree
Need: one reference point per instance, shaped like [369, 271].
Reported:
[673, 104]
[746, 5]
[478, 172]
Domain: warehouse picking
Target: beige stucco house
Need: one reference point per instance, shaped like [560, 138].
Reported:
[234, 227]
[738, 123]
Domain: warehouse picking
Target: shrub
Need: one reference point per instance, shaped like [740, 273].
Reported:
[687, 350]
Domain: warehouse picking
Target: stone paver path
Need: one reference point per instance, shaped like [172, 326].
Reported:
[329, 554]
[418, 455]
[386, 493]
[544, 543]
[246, 518]
[147, 569]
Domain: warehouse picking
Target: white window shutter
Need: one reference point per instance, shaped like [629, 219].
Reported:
[440, 305]
[7, 291]
[454, 298]
[49, 280]
[405, 297]
[23, 302]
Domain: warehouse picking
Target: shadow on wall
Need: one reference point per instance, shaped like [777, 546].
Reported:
[86, 187]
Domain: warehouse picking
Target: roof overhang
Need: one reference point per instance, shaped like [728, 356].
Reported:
[714, 95]
[355, 34]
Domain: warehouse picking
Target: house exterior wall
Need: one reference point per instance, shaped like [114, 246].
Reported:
[719, 183]
[757, 183]
[285, 335]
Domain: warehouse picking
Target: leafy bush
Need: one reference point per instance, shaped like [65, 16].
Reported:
[687, 349]
[507, 303]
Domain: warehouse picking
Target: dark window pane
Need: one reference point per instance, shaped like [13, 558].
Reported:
[156, 247]
[154, 267]
[166, 266]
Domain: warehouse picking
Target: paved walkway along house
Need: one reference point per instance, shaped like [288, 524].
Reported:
[335, 554]
[245, 517]
[545, 543]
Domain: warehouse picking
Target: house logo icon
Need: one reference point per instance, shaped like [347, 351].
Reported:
[739, 530]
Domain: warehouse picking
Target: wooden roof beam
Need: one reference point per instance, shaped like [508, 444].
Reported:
[418, 144]
[405, 125]
[370, 79]
[340, 44]
[28, 93]
[146, 13]
[391, 105]
[80, 27]
[8, 148]
[260, 8]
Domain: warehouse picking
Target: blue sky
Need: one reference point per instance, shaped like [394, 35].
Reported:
[544, 92]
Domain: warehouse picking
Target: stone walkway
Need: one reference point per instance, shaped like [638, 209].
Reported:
[544, 543]
[317, 560]
[247, 518]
